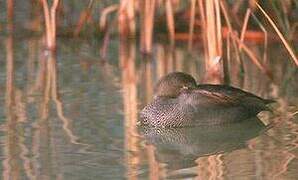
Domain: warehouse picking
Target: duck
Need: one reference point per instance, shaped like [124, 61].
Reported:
[180, 102]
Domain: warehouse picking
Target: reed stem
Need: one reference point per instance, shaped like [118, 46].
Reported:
[10, 15]
[191, 23]
[50, 23]
[170, 21]
[280, 35]
[126, 18]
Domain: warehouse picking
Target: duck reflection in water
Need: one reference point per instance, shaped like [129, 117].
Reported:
[179, 148]
[180, 102]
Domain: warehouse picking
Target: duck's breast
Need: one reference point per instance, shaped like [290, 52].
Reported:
[167, 113]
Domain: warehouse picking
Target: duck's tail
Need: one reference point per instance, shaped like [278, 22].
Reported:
[269, 101]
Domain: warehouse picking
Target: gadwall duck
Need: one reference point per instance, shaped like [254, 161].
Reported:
[179, 102]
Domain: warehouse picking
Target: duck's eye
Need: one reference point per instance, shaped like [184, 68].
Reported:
[185, 87]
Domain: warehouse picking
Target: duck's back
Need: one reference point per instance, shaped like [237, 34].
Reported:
[224, 95]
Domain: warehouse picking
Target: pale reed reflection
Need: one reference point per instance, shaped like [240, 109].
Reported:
[210, 167]
[287, 154]
[33, 49]
[52, 74]
[40, 127]
[148, 81]
[166, 60]
[11, 168]
[41, 143]
[43, 164]
[154, 167]
[21, 114]
[271, 159]
[169, 59]
[160, 56]
[155, 171]
[127, 53]
[284, 165]
[27, 162]
[14, 148]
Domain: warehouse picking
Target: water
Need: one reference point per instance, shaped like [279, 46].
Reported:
[74, 116]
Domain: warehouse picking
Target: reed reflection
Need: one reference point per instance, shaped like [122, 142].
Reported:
[10, 164]
[43, 141]
[15, 150]
[40, 143]
[183, 149]
[127, 55]
[155, 170]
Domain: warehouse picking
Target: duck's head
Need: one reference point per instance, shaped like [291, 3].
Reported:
[171, 85]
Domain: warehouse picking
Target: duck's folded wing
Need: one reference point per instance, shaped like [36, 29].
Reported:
[205, 98]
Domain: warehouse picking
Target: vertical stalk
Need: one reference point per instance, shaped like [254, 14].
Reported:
[84, 16]
[127, 55]
[170, 21]
[191, 23]
[10, 15]
[147, 17]
[131, 17]
[126, 18]
[53, 21]
[203, 26]
[50, 23]
[35, 18]
[10, 164]
[244, 27]
[214, 41]
[280, 35]
[218, 28]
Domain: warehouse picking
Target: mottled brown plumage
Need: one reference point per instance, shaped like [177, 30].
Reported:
[180, 102]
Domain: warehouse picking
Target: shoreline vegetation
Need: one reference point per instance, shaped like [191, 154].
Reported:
[220, 26]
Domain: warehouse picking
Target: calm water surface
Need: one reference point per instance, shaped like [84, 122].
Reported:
[74, 115]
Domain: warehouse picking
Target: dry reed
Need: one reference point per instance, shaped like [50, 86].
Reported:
[191, 23]
[241, 45]
[265, 36]
[127, 55]
[170, 21]
[84, 16]
[105, 12]
[214, 41]
[280, 35]
[10, 15]
[244, 27]
[147, 25]
[126, 19]
[50, 23]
